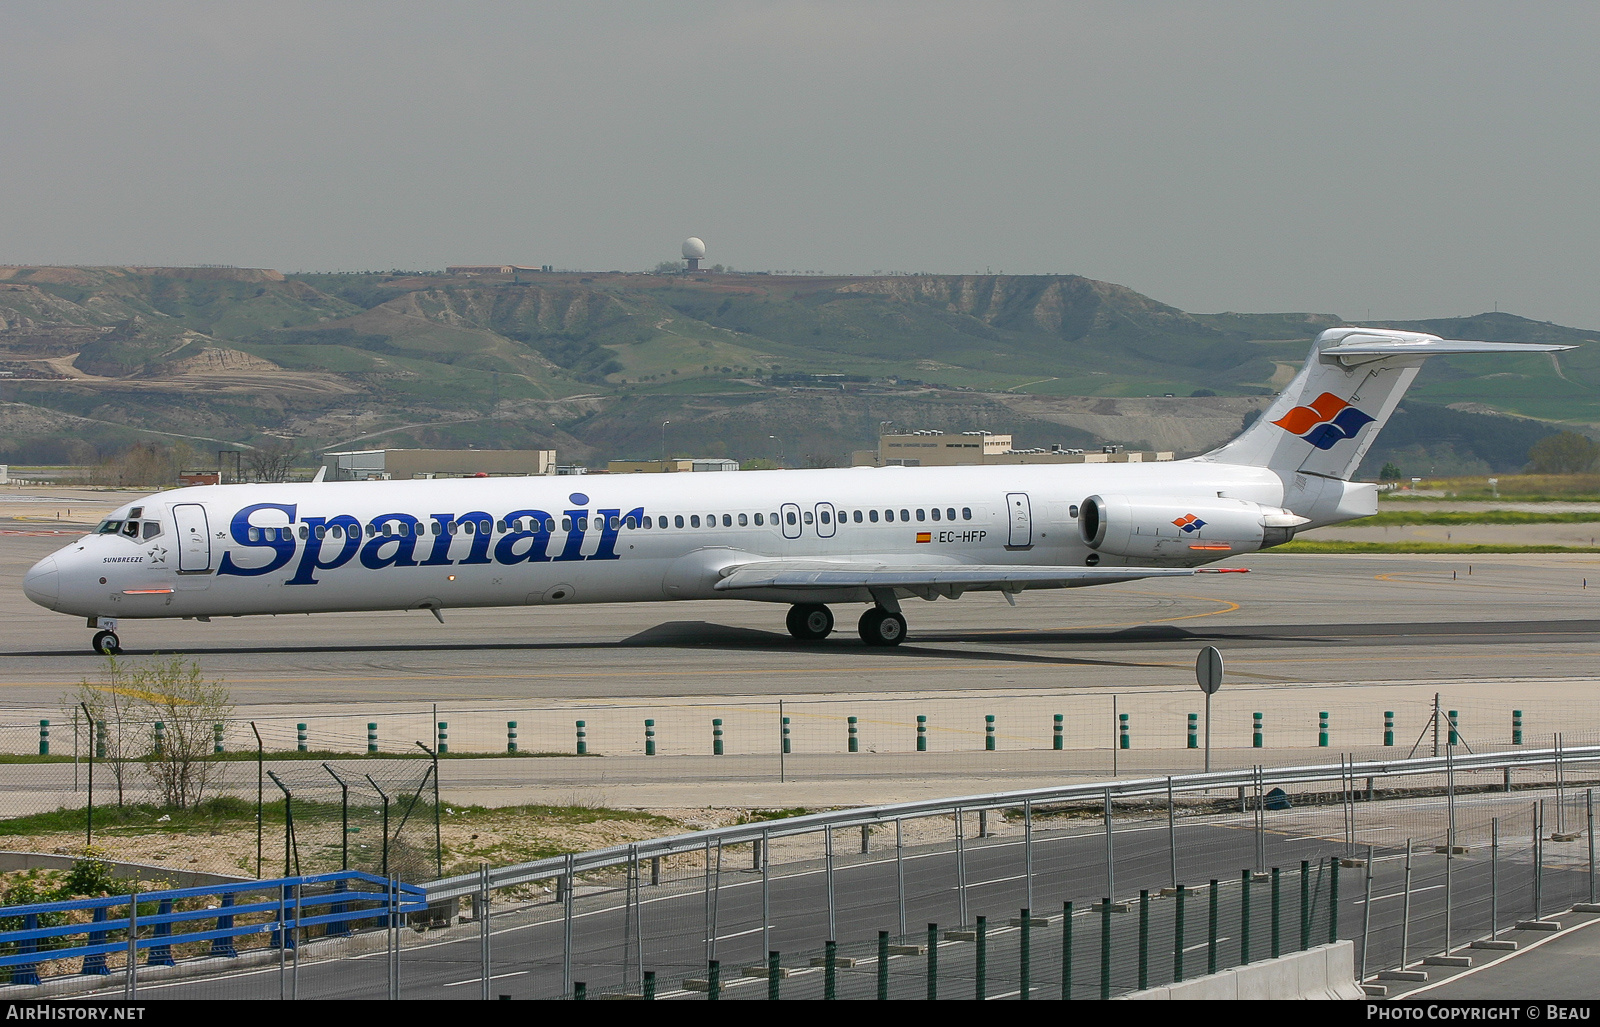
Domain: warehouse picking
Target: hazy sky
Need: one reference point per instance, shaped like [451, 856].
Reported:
[1413, 159]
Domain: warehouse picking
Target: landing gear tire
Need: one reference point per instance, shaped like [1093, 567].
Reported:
[106, 644]
[880, 627]
[810, 622]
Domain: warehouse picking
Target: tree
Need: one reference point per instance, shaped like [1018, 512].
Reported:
[1390, 472]
[272, 461]
[131, 698]
[1564, 453]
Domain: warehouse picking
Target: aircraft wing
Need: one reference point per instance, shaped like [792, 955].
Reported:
[964, 577]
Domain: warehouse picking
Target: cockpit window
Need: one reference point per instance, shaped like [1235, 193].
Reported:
[152, 529]
[131, 529]
[108, 528]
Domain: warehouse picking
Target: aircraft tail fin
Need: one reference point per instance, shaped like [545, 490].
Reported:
[1325, 421]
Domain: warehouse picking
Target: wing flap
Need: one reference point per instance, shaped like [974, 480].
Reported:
[807, 574]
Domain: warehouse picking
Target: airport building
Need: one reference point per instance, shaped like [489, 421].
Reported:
[670, 466]
[386, 464]
[934, 448]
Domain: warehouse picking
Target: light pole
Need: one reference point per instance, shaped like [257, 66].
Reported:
[779, 441]
[664, 444]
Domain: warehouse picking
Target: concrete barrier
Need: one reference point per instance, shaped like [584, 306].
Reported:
[1326, 971]
[172, 876]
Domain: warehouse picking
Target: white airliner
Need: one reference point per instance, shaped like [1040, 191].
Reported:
[805, 538]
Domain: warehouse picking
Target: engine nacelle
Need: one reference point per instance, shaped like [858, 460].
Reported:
[1175, 530]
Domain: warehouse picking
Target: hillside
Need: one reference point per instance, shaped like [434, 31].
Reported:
[595, 363]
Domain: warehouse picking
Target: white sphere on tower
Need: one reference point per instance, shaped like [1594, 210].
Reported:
[693, 249]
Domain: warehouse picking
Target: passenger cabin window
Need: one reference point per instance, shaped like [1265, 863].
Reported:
[935, 513]
[872, 515]
[808, 516]
[966, 513]
[677, 520]
[858, 516]
[922, 515]
[905, 515]
[743, 520]
[694, 520]
[790, 518]
[824, 516]
[758, 520]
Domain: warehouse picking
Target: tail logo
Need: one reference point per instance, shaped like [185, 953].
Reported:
[1188, 524]
[1326, 422]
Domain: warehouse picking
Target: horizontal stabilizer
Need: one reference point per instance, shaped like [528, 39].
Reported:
[875, 574]
[1361, 345]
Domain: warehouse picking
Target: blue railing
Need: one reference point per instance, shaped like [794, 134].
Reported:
[294, 907]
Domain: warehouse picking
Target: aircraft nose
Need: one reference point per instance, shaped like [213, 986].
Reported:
[40, 583]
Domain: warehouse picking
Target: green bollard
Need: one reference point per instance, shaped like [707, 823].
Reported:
[922, 733]
[1057, 741]
[649, 985]
[372, 737]
[216, 737]
[1066, 952]
[99, 739]
[443, 737]
[583, 735]
[511, 736]
[988, 732]
[980, 959]
[1277, 909]
[1255, 737]
[1178, 936]
[1122, 730]
[44, 738]
[1211, 932]
[1305, 904]
[1322, 729]
[299, 737]
[1516, 728]
[713, 980]
[1333, 899]
[1105, 949]
[649, 737]
[772, 976]
[830, 970]
[1388, 727]
[161, 737]
[716, 736]
[1244, 917]
[580, 991]
[1194, 730]
[1144, 938]
[855, 742]
[883, 966]
[786, 749]
[933, 962]
[1455, 736]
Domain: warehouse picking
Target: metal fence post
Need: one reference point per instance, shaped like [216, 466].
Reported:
[1178, 935]
[773, 977]
[566, 926]
[1111, 867]
[1244, 917]
[1305, 904]
[1066, 951]
[1027, 847]
[1211, 931]
[1366, 919]
[830, 970]
[1333, 899]
[1025, 955]
[933, 962]
[900, 876]
[1105, 948]
[827, 842]
[1494, 878]
[961, 868]
[713, 980]
[980, 959]
[1172, 835]
[1405, 912]
[1144, 938]
[883, 965]
[1277, 909]
[1588, 805]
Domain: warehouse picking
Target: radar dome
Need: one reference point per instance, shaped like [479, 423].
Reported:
[693, 249]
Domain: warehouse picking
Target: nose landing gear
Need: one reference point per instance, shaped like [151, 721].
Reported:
[106, 643]
[810, 622]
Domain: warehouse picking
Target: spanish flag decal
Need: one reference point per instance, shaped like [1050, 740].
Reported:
[924, 536]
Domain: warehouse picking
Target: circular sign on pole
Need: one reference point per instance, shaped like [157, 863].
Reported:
[1208, 670]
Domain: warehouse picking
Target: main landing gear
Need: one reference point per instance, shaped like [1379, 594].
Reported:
[106, 644]
[812, 622]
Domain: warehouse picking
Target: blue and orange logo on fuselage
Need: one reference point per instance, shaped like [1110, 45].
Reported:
[1325, 422]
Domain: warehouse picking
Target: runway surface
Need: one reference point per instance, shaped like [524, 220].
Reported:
[1294, 620]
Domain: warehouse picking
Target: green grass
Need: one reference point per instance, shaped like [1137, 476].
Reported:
[1307, 546]
[1390, 518]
